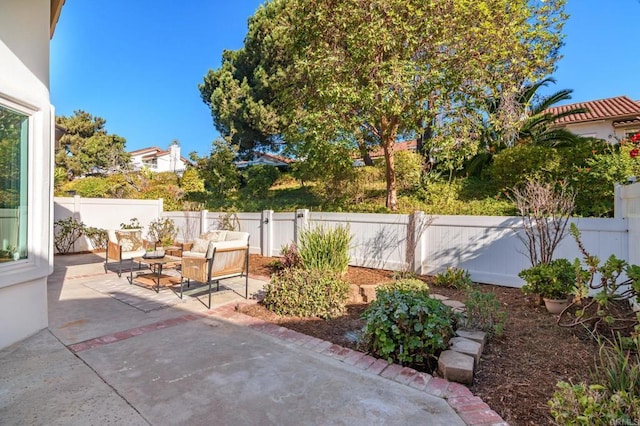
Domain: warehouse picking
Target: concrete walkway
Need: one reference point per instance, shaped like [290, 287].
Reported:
[121, 354]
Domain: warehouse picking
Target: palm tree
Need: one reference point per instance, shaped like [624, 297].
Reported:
[536, 128]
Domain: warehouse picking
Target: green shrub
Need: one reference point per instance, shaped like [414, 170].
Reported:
[614, 398]
[65, 233]
[91, 187]
[325, 249]
[554, 280]
[408, 166]
[516, 165]
[306, 293]
[483, 313]
[162, 230]
[454, 278]
[259, 179]
[404, 284]
[98, 237]
[407, 327]
[588, 405]
[133, 224]
[594, 183]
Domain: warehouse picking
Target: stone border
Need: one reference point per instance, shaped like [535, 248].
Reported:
[471, 409]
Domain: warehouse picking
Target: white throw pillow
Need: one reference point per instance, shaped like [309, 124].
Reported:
[129, 241]
[200, 245]
[215, 236]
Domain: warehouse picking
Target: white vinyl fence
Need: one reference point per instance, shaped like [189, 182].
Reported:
[105, 213]
[488, 247]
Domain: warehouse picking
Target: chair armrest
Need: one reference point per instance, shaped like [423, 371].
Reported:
[186, 246]
[195, 268]
[229, 261]
[114, 251]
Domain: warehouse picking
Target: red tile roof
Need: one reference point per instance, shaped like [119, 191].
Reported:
[620, 107]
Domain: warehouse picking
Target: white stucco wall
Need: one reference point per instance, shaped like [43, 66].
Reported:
[599, 129]
[24, 85]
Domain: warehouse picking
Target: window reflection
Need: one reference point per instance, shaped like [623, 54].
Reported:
[13, 184]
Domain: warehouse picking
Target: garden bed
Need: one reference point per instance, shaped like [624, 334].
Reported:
[518, 372]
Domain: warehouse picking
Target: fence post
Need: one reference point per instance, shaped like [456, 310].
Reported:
[415, 232]
[619, 202]
[160, 207]
[76, 215]
[266, 226]
[301, 222]
[203, 221]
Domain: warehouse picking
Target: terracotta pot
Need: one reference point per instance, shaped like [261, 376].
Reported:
[555, 306]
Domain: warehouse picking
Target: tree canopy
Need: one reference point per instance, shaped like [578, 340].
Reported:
[314, 71]
[86, 147]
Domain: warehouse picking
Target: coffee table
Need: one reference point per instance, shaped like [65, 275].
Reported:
[156, 265]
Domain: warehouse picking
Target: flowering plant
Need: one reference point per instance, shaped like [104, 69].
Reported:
[635, 140]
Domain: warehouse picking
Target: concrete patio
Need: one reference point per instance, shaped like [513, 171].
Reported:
[121, 354]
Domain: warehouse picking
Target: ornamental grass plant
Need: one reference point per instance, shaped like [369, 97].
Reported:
[325, 249]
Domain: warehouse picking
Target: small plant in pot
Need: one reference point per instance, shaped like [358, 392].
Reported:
[553, 282]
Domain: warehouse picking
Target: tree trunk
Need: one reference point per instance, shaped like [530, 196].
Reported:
[364, 152]
[392, 195]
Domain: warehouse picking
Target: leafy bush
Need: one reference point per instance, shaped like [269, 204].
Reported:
[405, 284]
[483, 313]
[408, 166]
[325, 249]
[595, 182]
[407, 327]
[91, 186]
[290, 257]
[520, 163]
[454, 278]
[614, 398]
[608, 308]
[98, 237]
[554, 280]
[584, 404]
[133, 224]
[259, 179]
[65, 233]
[162, 230]
[306, 293]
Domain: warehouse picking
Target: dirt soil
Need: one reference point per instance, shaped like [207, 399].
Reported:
[518, 372]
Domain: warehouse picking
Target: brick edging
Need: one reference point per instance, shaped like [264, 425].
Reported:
[471, 409]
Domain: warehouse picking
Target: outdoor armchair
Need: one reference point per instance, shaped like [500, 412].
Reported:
[124, 245]
[221, 260]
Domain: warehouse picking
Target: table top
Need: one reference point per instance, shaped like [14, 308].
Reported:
[159, 261]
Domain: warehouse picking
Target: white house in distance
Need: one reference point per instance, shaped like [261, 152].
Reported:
[159, 160]
[611, 119]
[26, 187]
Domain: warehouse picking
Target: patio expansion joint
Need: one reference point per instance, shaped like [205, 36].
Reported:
[119, 336]
[471, 409]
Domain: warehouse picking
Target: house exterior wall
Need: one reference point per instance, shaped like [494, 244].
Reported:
[600, 129]
[169, 161]
[24, 86]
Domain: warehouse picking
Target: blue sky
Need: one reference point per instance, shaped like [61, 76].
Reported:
[137, 63]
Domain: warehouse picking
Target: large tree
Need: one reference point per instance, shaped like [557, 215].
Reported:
[86, 147]
[387, 69]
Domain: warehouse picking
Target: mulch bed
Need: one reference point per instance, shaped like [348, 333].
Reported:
[518, 371]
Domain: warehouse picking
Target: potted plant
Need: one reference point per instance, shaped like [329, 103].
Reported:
[553, 281]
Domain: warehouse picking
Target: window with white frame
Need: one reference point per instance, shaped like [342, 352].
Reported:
[14, 141]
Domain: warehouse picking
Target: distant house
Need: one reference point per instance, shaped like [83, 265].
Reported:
[159, 160]
[611, 119]
[262, 158]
